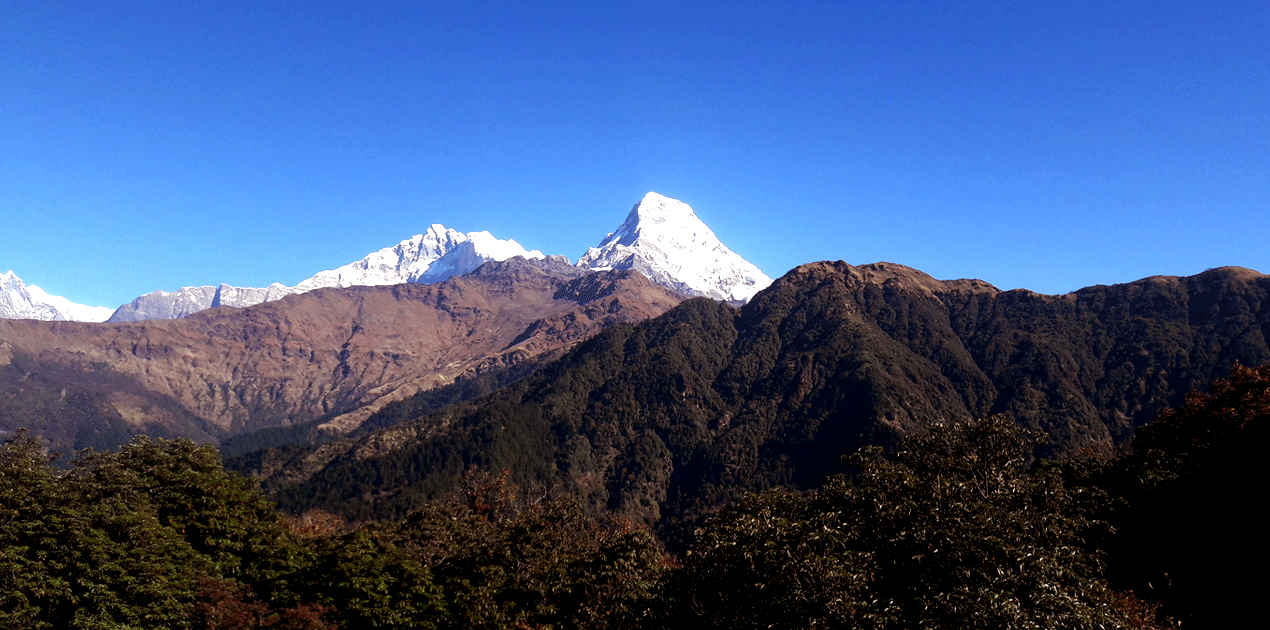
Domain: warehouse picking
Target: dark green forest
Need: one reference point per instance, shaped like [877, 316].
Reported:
[958, 525]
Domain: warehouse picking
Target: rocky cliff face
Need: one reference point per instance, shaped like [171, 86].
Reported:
[166, 305]
[333, 353]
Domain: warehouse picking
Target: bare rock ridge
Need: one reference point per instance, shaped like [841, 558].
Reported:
[333, 353]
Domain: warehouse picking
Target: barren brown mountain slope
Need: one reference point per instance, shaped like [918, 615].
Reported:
[335, 353]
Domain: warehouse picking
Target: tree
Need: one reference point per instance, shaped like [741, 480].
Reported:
[774, 561]
[157, 535]
[1190, 528]
[951, 529]
[503, 562]
[79, 551]
[963, 536]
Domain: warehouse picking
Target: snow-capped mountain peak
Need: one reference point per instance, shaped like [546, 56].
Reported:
[660, 217]
[437, 254]
[21, 301]
[663, 239]
[433, 256]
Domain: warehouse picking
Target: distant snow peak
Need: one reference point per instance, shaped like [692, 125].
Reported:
[663, 239]
[20, 301]
[438, 254]
[243, 297]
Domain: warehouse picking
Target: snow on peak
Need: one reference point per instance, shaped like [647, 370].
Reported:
[663, 239]
[434, 256]
[478, 249]
[21, 301]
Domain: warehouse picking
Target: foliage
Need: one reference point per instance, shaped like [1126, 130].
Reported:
[773, 561]
[1190, 530]
[963, 536]
[955, 526]
[950, 530]
[157, 535]
[83, 552]
[502, 563]
[370, 583]
[219, 514]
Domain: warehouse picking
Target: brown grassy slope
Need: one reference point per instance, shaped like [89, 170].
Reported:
[339, 353]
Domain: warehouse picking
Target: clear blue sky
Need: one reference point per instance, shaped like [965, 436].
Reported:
[1045, 145]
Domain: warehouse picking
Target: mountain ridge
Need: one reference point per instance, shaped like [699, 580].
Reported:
[19, 300]
[436, 255]
[334, 353]
[663, 419]
[662, 238]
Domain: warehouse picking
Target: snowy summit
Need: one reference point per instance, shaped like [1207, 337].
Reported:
[663, 239]
[433, 256]
[436, 255]
[20, 301]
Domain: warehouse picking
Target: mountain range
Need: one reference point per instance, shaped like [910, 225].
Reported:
[667, 419]
[606, 381]
[19, 300]
[661, 238]
[334, 354]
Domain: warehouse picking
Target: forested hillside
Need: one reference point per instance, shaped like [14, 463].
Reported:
[950, 527]
[670, 418]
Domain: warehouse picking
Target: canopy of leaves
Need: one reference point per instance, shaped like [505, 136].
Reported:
[1190, 531]
[126, 540]
[949, 530]
[159, 536]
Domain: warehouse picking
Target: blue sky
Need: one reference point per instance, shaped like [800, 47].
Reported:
[1045, 145]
